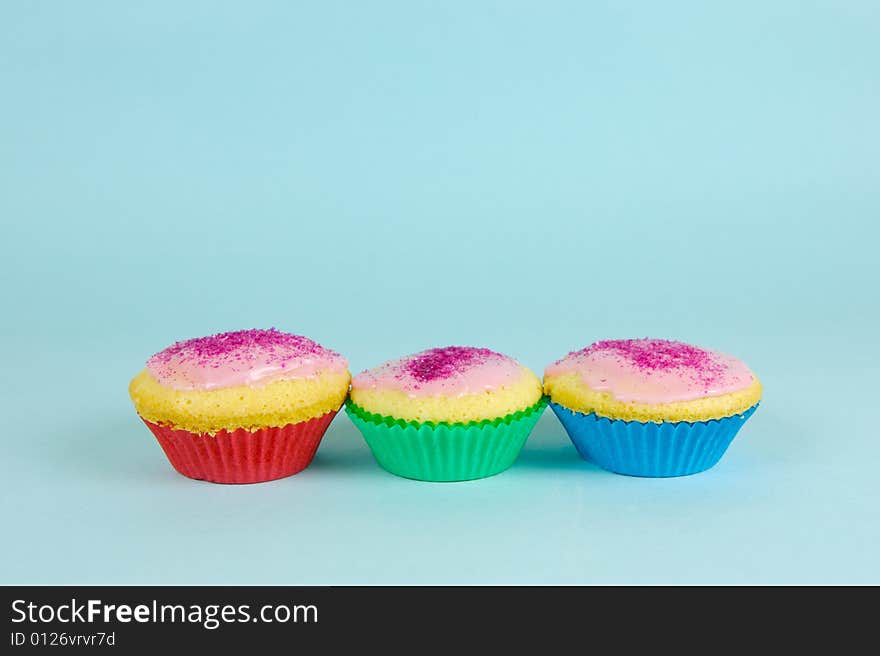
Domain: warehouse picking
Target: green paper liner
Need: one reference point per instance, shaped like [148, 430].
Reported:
[446, 451]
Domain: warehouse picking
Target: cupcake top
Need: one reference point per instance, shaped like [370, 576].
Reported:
[451, 384]
[243, 357]
[654, 371]
[449, 371]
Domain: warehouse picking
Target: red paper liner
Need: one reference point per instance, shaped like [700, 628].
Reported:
[243, 456]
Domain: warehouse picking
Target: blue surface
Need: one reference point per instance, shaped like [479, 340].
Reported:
[386, 177]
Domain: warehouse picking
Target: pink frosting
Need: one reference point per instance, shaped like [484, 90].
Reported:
[243, 357]
[449, 371]
[654, 370]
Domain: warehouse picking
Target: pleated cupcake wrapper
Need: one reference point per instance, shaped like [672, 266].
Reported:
[649, 449]
[443, 451]
[243, 456]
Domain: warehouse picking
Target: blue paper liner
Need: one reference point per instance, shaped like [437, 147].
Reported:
[634, 448]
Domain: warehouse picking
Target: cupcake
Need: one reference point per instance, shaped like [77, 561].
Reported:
[446, 414]
[651, 407]
[241, 407]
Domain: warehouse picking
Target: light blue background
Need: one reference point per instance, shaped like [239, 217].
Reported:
[386, 177]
